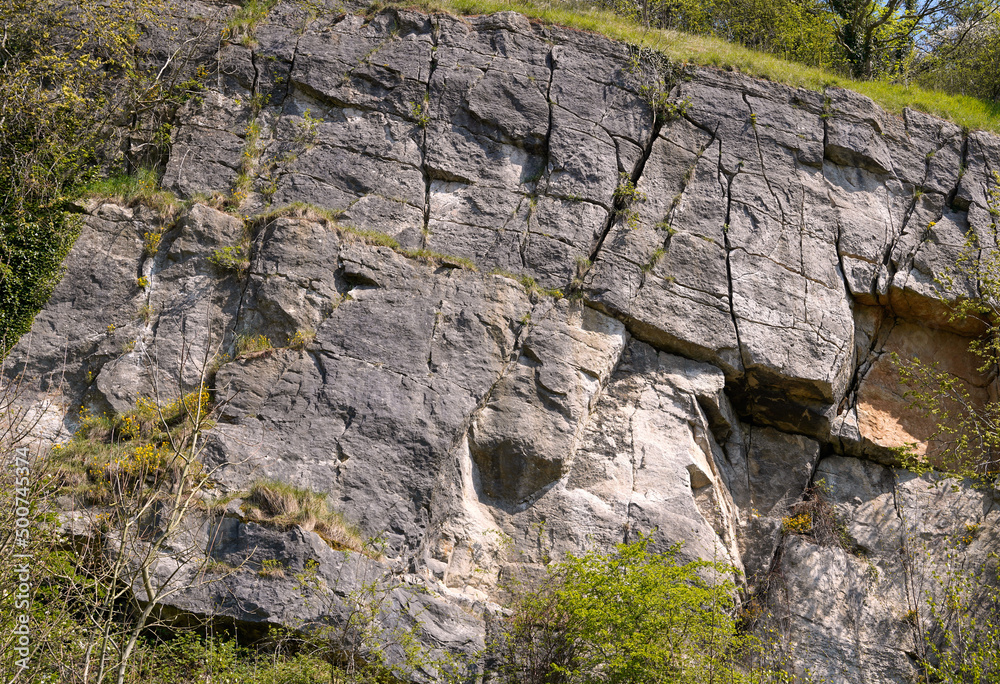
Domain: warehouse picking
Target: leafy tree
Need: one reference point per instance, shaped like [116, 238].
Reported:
[800, 30]
[964, 639]
[632, 615]
[75, 86]
[963, 60]
[963, 608]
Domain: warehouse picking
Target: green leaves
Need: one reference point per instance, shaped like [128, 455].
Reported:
[629, 616]
[74, 85]
[966, 433]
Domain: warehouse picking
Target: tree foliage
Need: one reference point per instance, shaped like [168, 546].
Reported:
[866, 39]
[75, 85]
[632, 615]
[964, 635]
[963, 60]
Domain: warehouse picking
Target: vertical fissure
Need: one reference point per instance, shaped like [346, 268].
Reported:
[907, 554]
[727, 189]
[619, 207]
[424, 111]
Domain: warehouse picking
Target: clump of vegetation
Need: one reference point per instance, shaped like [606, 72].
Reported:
[301, 339]
[373, 237]
[232, 259]
[241, 26]
[145, 313]
[141, 187]
[276, 503]
[272, 569]
[151, 242]
[529, 284]
[626, 195]
[800, 523]
[331, 219]
[252, 345]
[299, 210]
[430, 256]
[816, 518]
[420, 111]
[654, 259]
[630, 615]
[252, 149]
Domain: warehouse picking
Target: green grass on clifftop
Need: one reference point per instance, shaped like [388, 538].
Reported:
[968, 112]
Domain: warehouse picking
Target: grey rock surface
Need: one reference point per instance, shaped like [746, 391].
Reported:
[679, 321]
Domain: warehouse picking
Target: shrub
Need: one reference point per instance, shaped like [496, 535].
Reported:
[631, 615]
[234, 259]
[815, 517]
[961, 621]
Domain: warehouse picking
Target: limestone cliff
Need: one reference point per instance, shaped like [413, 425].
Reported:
[733, 268]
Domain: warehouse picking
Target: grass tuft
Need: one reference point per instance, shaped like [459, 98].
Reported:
[282, 505]
[141, 188]
[529, 283]
[252, 345]
[241, 26]
[300, 210]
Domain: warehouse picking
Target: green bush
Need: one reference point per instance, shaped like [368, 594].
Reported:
[235, 259]
[72, 84]
[632, 615]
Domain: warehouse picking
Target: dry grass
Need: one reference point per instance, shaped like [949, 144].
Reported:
[299, 210]
[282, 505]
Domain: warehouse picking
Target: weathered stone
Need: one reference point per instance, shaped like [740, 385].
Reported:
[736, 276]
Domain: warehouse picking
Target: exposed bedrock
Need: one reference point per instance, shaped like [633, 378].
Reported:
[733, 276]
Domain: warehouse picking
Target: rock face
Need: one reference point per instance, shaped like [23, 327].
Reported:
[681, 320]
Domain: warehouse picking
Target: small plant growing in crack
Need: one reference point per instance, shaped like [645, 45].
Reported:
[654, 258]
[233, 259]
[665, 226]
[301, 339]
[151, 242]
[308, 129]
[251, 156]
[271, 568]
[626, 195]
[421, 111]
[663, 107]
[583, 265]
[145, 313]
[252, 345]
